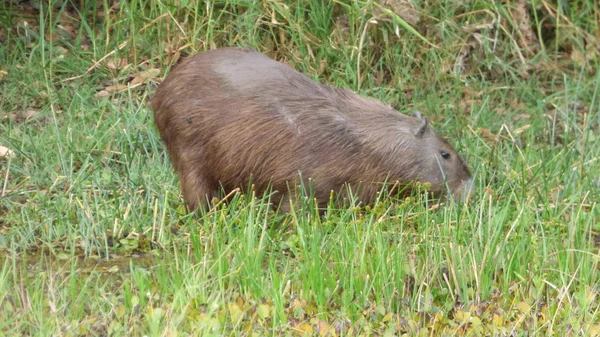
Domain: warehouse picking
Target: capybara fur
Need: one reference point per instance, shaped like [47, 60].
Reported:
[233, 116]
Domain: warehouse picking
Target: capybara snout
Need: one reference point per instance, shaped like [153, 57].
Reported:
[230, 116]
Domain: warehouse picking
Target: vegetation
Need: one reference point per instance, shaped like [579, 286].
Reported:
[94, 239]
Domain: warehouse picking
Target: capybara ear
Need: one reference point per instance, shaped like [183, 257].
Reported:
[424, 124]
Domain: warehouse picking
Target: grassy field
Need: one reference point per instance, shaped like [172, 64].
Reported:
[94, 239]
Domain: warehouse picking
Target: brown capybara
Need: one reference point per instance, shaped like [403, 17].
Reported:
[232, 116]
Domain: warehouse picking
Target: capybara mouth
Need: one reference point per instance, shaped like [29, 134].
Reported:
[465, 191]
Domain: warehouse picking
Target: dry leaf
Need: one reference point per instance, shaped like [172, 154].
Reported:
[515, 104]
[488, 135]
[521, 129]
[523, 307]
[60, 50]
[323, 328]
[68, 29]
[296, 303]
[502, 111]
[479, 26]
[235, 312]
[115, 88]
[578, 57]
[263, 311]
[462, 316]
[497, 319]
[144, 76]
[342, 25]
[173, 58]
[522, 116]
[520, 14]
[402, 8]
[118, 63]
[52, 36]
[30, 113]
[460, 64]
[102, 93]
[306, 328]
[6, 152]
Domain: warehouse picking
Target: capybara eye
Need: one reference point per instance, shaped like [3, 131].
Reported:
[445, 154]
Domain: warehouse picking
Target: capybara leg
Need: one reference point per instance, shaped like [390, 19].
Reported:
[197, 190]
[283, 204]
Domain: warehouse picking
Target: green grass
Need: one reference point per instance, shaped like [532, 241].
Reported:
[94, 239]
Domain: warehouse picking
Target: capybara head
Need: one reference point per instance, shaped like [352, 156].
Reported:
[442, 166]
[230, 115]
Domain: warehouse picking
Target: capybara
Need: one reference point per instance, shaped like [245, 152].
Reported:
[233, 116]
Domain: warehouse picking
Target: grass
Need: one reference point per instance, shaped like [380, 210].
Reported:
[94, 239]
